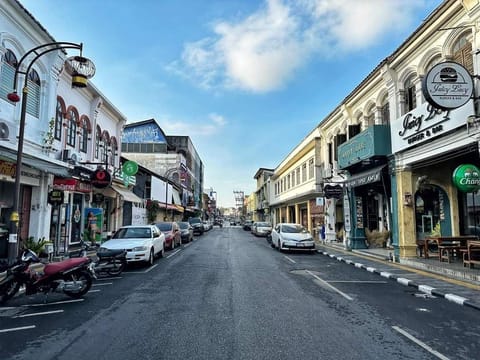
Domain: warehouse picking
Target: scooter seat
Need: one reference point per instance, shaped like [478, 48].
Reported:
[111, 253]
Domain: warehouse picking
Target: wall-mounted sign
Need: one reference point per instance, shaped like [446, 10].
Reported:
[447, 86]
[466, 178]
[333, 191]
[55, 197]
[98, 198]
[426, 122]
[101, 178]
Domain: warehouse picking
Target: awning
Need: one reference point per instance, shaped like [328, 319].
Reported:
[126, 194]
[365, 177]
[36, 163]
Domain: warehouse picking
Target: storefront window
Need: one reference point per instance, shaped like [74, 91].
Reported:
[427, 211]
[470, 213]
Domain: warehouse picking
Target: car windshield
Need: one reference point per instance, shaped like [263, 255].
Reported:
[166, 226]
[133, 232]
[293, 229]
[263, 224]
[183, 225]
[195, 221]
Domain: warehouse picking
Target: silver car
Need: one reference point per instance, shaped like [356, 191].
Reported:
[261, 228]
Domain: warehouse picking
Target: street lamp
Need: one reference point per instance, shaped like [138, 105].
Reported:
[81, 69]
[167, 175]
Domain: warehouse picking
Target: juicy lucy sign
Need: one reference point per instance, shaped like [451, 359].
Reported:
[425, 123]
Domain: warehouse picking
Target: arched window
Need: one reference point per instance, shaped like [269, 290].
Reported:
[114, 151]
[98, 134]
[9, 65]
[72, 128]
[83, 135]
[370, 117]
[410, 95]
[462, 52]
[33, 98]
[58, 121]
[385, 111]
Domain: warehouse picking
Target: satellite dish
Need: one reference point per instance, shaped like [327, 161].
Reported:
[4, 131]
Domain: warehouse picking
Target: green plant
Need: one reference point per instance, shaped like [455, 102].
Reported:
[49, 135]
[36, 246]
[153, 208]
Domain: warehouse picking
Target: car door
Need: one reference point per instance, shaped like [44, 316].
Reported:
[156, 239]
[275, 232]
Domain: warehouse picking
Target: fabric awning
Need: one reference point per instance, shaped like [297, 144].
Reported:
[365, 177]
[126, 194]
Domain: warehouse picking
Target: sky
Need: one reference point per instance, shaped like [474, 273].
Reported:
[246, 80]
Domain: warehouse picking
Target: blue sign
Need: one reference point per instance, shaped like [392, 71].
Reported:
[146, 133]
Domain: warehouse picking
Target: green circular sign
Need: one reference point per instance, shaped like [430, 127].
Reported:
[130, 168]
[466, 178]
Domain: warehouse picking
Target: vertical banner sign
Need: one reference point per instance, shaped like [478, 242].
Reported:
[93, 225]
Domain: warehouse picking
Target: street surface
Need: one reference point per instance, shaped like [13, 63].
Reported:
[229, 295]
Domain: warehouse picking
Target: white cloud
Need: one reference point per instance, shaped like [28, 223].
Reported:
[261, 52]
[202, 128]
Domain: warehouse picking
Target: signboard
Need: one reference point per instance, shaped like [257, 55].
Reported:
[447, 86]
[346, 214]
[466, 178]
[93, 225]
[426, 122]
[55, 197]
[101, 178]
[130, 168]
[335, 191]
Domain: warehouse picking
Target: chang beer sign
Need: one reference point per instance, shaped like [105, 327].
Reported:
[466, 178]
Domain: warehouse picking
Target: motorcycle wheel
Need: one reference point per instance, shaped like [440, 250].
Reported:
[82, 276]
[117, 270]
[8, 290]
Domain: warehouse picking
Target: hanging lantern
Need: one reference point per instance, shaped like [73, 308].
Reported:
[81, 69]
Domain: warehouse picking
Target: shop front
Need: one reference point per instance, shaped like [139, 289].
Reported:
[367, 188]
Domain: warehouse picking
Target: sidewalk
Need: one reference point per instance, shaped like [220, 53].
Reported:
[450, 281]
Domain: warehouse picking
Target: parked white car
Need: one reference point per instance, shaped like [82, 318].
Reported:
[286, 236]
[142, 242]
[261, 228]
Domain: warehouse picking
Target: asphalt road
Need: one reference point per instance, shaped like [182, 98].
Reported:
[228, 295]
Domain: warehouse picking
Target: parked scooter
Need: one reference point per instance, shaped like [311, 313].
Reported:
[107, 262]
[73, 277]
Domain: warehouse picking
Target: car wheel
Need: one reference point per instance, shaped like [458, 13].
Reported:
[151, 258]
[278, 246]
[161, 254]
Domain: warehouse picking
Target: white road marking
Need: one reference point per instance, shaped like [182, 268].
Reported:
[17, 329]
[109, 278]
[358, 281]
[330, 286]
[289, 259]
[7, 308]
[102, 284]
[420, 343]
[55, 303]
[39, 314]
[172, 254]
[187, 245]
[92, 291]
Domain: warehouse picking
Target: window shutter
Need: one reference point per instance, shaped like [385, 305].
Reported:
[33, 99]
[6, 82]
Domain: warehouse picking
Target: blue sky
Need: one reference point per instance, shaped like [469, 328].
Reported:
[247, 80]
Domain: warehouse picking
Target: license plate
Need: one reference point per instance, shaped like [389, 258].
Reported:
[299, 245]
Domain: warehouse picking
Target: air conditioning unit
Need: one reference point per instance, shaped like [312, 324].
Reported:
[72, 156]
[327, 171]
[8, 131]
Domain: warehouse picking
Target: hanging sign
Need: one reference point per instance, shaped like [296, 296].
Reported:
[130, 168]
[55, 197]
[335, 191]
[466, 178]
[447, 86]
[101, 178]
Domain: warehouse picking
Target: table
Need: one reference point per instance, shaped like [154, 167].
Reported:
[448, 246]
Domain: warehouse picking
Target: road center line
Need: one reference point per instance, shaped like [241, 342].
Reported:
[420, 343]
[289, 259]
[330, 286]
[17, 329]
[39, 314]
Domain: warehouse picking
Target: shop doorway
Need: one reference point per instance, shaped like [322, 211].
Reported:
[432, 211]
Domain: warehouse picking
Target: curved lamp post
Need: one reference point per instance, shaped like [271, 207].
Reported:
[81, 69]
[167, 176]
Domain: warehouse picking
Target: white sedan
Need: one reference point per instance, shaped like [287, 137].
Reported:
[142, 242]
[286, 236]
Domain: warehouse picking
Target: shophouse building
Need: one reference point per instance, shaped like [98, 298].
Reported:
[262, 208]
[385, 156]
[175, 159]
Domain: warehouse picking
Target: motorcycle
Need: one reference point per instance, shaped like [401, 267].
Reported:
[73, 277]
[109, 262]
